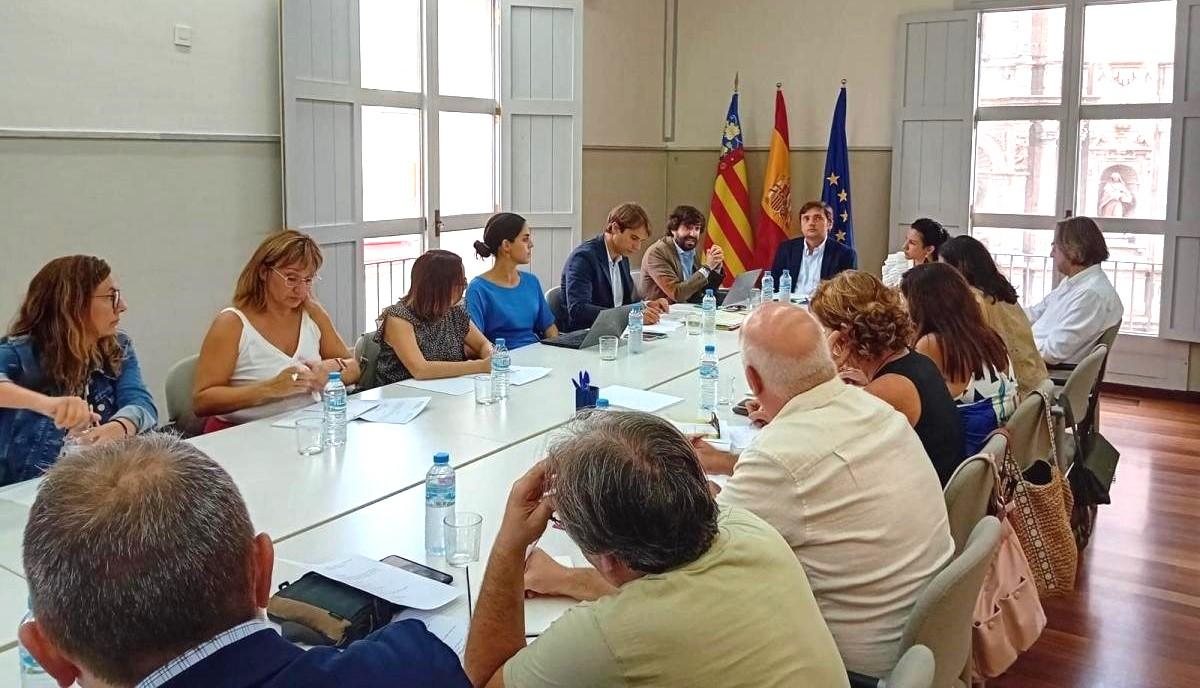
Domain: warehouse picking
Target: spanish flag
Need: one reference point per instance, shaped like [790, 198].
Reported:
[774, 220]
[729, 213]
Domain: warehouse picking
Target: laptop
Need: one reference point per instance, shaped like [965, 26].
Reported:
[742, 288]
[610, 323]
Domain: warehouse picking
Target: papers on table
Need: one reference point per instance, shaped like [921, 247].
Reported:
[389, 582]
[637, 399]
[540, 612]
[740, 436]
[354, 409]
[450, 624]
[705, 430]
[396, 411]
[517, 375]
[663, 327]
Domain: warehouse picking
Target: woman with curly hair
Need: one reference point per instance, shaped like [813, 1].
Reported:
[66, 371]
[869, 335]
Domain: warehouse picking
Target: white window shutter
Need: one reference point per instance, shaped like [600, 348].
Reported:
[322, 146]
[935, 100]
[1181, 256]
[541, 131]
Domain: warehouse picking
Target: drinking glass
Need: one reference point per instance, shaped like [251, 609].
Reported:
[462, 533]
[608, 348]
[309, 435]
[483, 389]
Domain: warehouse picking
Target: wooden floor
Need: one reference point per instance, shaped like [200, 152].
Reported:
[1134, 619]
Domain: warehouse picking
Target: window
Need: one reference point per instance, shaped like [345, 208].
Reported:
[430, 136]
[1069, 120]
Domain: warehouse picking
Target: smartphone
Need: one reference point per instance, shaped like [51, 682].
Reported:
[419, 569]
[740, 408]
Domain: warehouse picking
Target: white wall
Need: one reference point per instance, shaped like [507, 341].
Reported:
[177, 219]
[809, 45]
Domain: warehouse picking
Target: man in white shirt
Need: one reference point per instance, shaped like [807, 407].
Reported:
[1070, 320]
[843, 477]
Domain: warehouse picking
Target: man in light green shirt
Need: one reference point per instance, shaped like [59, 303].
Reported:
[682, 594]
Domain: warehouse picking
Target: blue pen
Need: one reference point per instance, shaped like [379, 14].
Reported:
[587, 379]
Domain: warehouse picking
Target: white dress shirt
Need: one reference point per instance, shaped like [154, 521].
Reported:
[1069, 321]
[809, 275]
[614, 276]
[843, 477]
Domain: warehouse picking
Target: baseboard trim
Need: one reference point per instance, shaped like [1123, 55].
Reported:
[1192, 397]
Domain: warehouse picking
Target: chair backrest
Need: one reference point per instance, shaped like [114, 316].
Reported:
[1109, 336]
[1029, 437]
[637, 282]
[914, 670]
[180, 379]
[554, 297]
[969, 491]
[366, 352]
[942, 617]
[1082, 384]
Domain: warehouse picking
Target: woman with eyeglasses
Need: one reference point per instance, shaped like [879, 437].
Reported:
[66, 371]
[273, 350]
[428, 334]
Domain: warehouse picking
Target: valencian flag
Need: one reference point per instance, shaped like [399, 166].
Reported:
[776, 209]
[835, 189]
[729, 213]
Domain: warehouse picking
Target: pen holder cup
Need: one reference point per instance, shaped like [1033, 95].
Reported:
[586, 398]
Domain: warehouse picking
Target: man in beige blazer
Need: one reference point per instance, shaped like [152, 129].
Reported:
[672, 268]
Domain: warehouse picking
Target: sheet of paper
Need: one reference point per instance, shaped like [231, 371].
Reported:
[637, 399]
[450, 624]
[540, 612]
[396, 411]
[521, 375]
[392, 584]
[354, 409]
[663, 327]
[454, 386]
[740, 436]
[719, 479]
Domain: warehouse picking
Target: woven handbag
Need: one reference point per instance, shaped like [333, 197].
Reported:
[1041, 515]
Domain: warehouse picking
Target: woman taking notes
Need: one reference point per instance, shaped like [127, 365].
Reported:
[66, 369]
[504, 301]
[427, 334]
[272, 351]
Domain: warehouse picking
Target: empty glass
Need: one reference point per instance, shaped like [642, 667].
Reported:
[726, 390]
[608, 348]
[483, 389]
[462, 533]
[309, 432]
[693, 323]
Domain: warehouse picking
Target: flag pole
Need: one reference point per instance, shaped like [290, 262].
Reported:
[735, 82]
[778, 84]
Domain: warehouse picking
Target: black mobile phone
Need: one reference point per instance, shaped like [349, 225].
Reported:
[419, 569]
[740, 408]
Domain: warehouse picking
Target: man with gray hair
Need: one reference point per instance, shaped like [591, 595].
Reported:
[144, 570]
[843, 477]
[685, 593]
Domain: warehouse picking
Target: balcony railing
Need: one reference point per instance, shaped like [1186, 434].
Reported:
[386, 282]
[1139, 284]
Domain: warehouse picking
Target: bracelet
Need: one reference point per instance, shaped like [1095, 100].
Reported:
[124, 428]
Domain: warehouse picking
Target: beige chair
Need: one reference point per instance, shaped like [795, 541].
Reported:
[1077, 411]
[941, 620]
[915, 670]
[1078, 394]
[1029, 436]
[366, 352]
[180, 379]
[969, 491]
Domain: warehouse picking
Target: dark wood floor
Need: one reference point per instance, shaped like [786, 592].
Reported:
[1134, 619]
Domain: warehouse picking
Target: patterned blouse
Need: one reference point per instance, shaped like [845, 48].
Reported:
[439, 340]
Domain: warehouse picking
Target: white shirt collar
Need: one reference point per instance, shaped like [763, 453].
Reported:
[194, 656]
[814, 251]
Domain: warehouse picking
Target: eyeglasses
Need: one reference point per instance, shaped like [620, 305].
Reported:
[114, 296]
[293, 282]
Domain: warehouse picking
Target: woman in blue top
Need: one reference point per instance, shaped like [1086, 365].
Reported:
[65, 369]
[504, 301]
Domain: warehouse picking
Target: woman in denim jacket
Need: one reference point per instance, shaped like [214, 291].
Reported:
[65, 370]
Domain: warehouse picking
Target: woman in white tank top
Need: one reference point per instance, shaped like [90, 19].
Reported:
[273, 351]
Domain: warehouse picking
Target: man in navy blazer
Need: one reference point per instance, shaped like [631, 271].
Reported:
[812, 257]
[596, 276]
[144, 570]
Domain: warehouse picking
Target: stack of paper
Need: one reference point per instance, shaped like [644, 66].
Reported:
[637, 399]
[517, 375]
[354, 409]
[894, 268]
[396, 411]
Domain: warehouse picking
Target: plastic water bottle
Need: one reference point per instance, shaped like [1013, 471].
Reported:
[637, 322]
[32, 673]
[335, 411]
[501, 362]
[602, 404]
[439, 503]
[768, 289]
[710, 378]
[708, 310]
[785, 286]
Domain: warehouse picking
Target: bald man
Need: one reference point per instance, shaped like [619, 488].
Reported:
[843, 477]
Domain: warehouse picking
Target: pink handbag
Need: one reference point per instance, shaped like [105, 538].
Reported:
[1008, 616]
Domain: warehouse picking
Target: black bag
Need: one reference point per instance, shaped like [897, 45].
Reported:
[316, 610]
[1093, 468]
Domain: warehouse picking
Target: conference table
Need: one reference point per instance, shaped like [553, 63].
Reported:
[289, 495]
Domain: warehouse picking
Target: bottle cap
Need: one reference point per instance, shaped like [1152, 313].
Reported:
[441, 457]
[335, 375]
[708, 292]
[710, 348]
[602, 403]
[499, 341]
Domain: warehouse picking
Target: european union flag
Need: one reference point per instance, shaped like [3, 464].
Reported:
[835, 190]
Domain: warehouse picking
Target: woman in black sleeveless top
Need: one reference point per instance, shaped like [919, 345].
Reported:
[869, 334]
